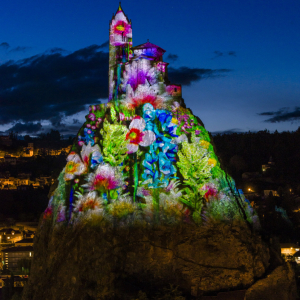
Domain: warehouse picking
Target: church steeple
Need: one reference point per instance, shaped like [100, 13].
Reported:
[120, 42]
[120, 8]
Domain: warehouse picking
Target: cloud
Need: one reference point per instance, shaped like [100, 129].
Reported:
[172, 57]
[26, 127]
[75, 121]
[282, 115]
[222, 54]
[56, 120]
[43, 87]
[56, 50]
[4, 45]
[57, 84]
[105, 45]
[20, 49]
[186, 75]
[228, 131]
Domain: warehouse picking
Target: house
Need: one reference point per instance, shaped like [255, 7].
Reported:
[19, 281]
[289, 249]
[10, 159]
[24, 242]
[10, 235]
[28, 227]
[297, 257]
[270, 164]
[11, 256]
[28, 234]
[28, 151]
[267, 193]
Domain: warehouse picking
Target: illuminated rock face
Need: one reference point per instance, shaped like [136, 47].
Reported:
[143, 156]
[142, 202]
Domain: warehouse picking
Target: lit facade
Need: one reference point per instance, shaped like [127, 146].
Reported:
[11, 256]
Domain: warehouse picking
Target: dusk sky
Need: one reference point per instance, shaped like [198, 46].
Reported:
[238, 61]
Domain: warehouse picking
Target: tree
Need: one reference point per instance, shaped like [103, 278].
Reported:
[237, 164]
[27, 138]
[53, 135]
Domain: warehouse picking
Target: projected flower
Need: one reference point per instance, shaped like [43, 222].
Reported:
[48, 213]
[74, 167]
[165, 165]
[91, 155]
[87, 137]
[88, 202]
[61, 214]
[155, 101]
[212, 162]
[210, 194]
[104, 179]
[121, 28]
[136, 136]
[203, 143]
[92, 117]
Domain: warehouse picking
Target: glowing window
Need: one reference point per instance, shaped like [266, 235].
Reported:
[29, 253]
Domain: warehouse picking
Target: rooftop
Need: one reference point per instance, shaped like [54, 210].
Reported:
[289, 245]
[25, 241]
[9, 231]
[18, 249]
[148, 45]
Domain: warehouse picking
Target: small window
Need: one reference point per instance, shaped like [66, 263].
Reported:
[175, 90]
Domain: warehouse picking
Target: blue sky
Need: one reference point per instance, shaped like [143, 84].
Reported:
[258, 41]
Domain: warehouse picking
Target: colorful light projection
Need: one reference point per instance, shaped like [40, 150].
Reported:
[143, 157]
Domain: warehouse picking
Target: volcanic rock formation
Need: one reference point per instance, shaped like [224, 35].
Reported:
[143, 202]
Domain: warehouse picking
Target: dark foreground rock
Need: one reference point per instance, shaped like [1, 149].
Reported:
[98, 262]
[279, 285]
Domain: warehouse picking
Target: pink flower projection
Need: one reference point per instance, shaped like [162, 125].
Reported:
[155, 101]
[121, 28]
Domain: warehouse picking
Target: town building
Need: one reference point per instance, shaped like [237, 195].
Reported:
[10, 159]
[274, 193]
[289, 249]
[270, 165]
[10, 235]
[11, 256]
[19, 281]
[24, 242]
[28, 151]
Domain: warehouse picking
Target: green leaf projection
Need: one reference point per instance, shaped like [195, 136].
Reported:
[143, 158]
